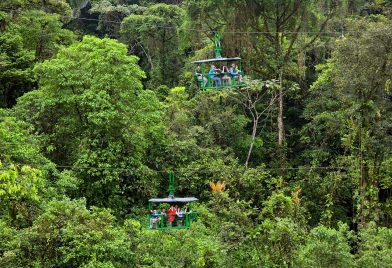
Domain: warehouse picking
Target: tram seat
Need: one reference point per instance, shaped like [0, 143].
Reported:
[226, 80]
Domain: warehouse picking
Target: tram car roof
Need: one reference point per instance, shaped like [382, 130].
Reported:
[217, 59]
[173, 200]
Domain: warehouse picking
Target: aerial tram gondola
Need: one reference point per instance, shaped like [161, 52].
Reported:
[219, 72]
[162, 217]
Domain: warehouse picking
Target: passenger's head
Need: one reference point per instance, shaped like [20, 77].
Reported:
[198, 67]
[233, 65]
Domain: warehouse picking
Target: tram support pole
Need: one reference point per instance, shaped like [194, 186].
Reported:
[171, 184]
[218, 47]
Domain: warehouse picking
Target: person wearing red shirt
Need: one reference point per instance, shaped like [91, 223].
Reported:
[171, 214]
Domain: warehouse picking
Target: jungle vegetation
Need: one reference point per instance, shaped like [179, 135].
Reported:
[98, 102]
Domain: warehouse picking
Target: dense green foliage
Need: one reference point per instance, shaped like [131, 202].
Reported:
[98, 102]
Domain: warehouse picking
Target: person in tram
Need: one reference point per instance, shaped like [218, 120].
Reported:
[163, 215]
[235, 72]
[226, 79]
[154, 218]
[199, 76]
[213, 75]
[181, 214]
[171, 215]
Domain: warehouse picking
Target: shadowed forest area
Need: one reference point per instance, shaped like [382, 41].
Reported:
[101, 103]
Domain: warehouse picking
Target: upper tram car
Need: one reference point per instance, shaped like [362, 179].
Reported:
[219, 72]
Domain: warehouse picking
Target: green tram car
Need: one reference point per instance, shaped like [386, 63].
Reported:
[160, 217]
[220, 72]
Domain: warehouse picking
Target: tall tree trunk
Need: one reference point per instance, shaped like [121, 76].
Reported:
[364, 185]
[364, 170]
[281, 152]
[255, 123]
[13, 212]
[280, 113]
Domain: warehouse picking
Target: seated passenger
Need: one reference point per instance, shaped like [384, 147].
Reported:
[199, 76]
[171, 215]
[235, 72]
[213, 75]
[181, 215]
[154, 218]
[163, 216]
[226, 79]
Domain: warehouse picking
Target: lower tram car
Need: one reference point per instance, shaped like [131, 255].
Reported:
[171, 212]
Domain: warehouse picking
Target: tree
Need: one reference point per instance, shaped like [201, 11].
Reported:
[153, 36]
[250, 98]
[325, 248]
[357, 78]
[111, 14]
[28, 35]
[100, 119]
[41, 33]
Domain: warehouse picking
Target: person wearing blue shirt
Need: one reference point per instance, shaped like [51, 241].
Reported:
[213, 77]
[235, 73]
[154, 219]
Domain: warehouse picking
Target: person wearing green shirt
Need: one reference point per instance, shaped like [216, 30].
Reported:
[199, 75]
[235, 72]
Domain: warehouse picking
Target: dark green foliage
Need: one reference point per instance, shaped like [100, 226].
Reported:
[153, 36]
[111, 14]
[29, 34]
[16, 74]
[93, 127]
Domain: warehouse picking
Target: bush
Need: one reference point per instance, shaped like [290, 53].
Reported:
[375, 248]
[325, 247]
